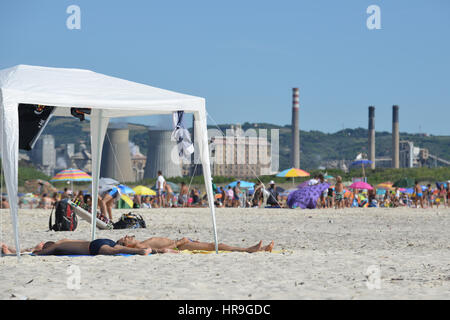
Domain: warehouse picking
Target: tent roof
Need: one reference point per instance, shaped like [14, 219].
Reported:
[62, 87]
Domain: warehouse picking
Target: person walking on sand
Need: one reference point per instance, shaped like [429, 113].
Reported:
[160, 186]
[187, 244]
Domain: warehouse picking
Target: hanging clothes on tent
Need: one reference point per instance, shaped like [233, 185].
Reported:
[182, 136]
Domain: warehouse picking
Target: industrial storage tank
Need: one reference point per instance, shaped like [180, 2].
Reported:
[116, 158]
[162, 155]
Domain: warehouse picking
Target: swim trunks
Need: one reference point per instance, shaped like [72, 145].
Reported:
[94, 246]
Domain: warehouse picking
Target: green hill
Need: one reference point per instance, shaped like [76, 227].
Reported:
[315, 146]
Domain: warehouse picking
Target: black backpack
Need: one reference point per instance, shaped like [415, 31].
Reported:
[65, 218]
[130, 221]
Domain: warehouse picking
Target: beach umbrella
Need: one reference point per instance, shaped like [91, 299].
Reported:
[244, 184]
[72, 175]
[144, 191]
[293, 173]
[404, 183]
[361, 162]
[384, 185]
[307, 196]
[361, 185]
[125, 189]
[127, 200]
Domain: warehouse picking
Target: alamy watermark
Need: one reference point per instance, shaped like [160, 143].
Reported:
[74, 279]
[74, 19]
[373, 277]
[238, 147]
[374, 20]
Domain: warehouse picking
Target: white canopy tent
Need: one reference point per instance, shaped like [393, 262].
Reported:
[107, 97]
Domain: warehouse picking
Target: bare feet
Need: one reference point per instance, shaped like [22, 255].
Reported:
[255, 248]
[269, 247]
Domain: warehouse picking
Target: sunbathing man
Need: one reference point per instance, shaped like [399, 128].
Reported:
[80, 247]
[187, 244]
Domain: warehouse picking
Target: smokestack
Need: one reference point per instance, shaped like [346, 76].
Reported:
[116, 158]
[295, 155]
[372, 136]
[161, 156]
[395, 138]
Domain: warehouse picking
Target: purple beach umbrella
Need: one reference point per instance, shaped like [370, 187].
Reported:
[306, 197]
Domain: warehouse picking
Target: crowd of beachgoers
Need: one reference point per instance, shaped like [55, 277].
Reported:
[257, 195]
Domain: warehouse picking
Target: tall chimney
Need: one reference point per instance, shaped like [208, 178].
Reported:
[116, 158]
[295, 155]
[395, 138]
[372, 136]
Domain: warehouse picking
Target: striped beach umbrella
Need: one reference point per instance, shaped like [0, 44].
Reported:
[293, 173]
[385, 185]
[73, 175]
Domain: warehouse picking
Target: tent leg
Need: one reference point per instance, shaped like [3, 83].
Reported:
[99, 124]
[201, 136]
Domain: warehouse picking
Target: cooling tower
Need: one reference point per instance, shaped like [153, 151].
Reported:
[372, 136]
[395, 138]
[162, 155]
[295, 155]
[116, 158]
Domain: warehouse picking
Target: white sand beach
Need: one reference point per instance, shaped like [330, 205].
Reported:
[326, 254]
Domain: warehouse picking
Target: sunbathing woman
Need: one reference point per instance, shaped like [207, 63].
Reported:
[187, 244]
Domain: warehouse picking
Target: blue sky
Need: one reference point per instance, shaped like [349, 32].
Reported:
[244, 57]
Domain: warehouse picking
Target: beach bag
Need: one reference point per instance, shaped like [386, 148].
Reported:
[130, 221]
[65, 218]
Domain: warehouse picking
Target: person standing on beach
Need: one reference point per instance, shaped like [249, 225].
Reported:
[339, 193]
[428, 194]
[442, 196]
[160, 186]
[274, 198]
[183, 196]
[237, 193]
[419, 194]
[230, 197]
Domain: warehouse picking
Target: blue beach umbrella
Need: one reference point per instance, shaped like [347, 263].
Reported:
[244, 184]
[125, 189]
[361, 162]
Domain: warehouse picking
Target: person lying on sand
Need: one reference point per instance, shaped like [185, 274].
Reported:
[80, 247]
[187, 244]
